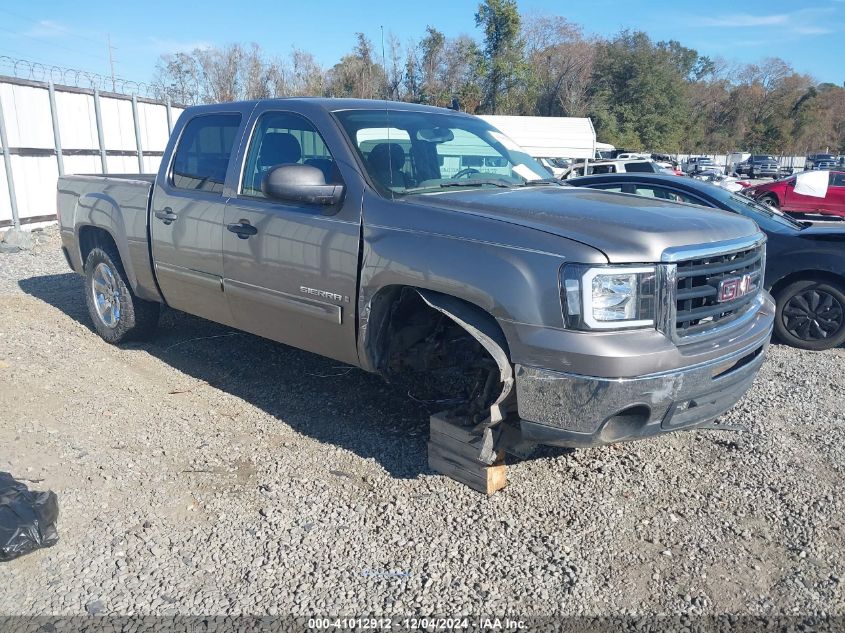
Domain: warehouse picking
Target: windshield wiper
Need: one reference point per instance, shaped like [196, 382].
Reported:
[478, 182]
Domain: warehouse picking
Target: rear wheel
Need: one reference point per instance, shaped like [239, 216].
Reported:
[811, 314]
[118, 314]
[770, 201]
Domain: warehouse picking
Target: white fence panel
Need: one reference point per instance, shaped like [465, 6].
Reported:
[175, 113]
[119, 128]
[151, 164]
[82, 165]
[27, 115]
[77, 121]
[122, 164]
[154, 132]
[35, 185]
[34, 160]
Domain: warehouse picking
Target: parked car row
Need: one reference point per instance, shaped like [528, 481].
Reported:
[615, 166]
[753, 166]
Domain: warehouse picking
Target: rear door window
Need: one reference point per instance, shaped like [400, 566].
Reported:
[202, 156]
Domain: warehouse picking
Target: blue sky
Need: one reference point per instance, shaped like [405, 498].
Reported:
[809, 35]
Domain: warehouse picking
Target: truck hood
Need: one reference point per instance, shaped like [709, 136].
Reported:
[626, 228]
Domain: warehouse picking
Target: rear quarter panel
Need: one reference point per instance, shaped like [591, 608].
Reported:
[119, 206]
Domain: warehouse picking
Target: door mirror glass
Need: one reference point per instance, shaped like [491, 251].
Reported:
[300, 183]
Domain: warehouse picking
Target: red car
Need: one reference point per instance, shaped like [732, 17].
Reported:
[804, 193]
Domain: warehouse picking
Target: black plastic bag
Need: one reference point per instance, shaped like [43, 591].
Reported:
[27, 518]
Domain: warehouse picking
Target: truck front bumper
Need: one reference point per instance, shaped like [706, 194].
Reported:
[562, 409]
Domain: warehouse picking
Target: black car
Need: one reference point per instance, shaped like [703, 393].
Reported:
[805, 264]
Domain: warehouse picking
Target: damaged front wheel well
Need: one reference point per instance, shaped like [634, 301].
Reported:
[416, 332]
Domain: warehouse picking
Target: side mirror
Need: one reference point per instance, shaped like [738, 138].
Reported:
[300, 183]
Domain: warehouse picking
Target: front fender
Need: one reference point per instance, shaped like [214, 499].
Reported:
[815, 256]
[508, 271]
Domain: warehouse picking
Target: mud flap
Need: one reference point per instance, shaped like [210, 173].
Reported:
[489, 338]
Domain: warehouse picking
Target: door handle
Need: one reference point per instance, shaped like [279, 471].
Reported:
[242, 229]
[166, 215]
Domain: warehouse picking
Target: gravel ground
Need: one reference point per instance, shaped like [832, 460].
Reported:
[212, 472]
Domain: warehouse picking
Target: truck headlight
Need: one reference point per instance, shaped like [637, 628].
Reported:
[608, 297]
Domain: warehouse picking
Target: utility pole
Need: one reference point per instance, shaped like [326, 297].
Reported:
[111, 62]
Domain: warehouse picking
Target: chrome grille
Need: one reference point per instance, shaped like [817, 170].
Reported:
[698, 307]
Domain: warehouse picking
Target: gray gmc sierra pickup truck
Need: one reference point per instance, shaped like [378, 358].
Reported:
[417, 241]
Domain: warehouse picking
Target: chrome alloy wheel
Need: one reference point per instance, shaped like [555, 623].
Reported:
[106, 294]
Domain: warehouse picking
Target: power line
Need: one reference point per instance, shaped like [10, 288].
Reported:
[62, 30]
[44, 41]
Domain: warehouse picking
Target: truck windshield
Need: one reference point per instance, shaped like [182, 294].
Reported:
[763, 158]
[408, 152]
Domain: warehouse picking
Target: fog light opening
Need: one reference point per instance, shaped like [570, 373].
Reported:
[626, 423]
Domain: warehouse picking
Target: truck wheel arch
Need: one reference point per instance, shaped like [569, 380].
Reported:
[92, 222]
[89, 236]
[379, 323]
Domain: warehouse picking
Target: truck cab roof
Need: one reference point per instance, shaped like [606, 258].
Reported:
[329, 104]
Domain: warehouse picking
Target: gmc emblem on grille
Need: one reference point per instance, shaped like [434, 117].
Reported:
[735, 287]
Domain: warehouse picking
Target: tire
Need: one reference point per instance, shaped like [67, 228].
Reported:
[810, 314]
[118, 314]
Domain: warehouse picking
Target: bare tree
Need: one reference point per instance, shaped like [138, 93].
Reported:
[395, 69]
[178, 78]
[561, 62]
[413, 75]
[307, 76]
[255, 74]
[357, 75]
[432, 59]
[221, 73]
[461, 78]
